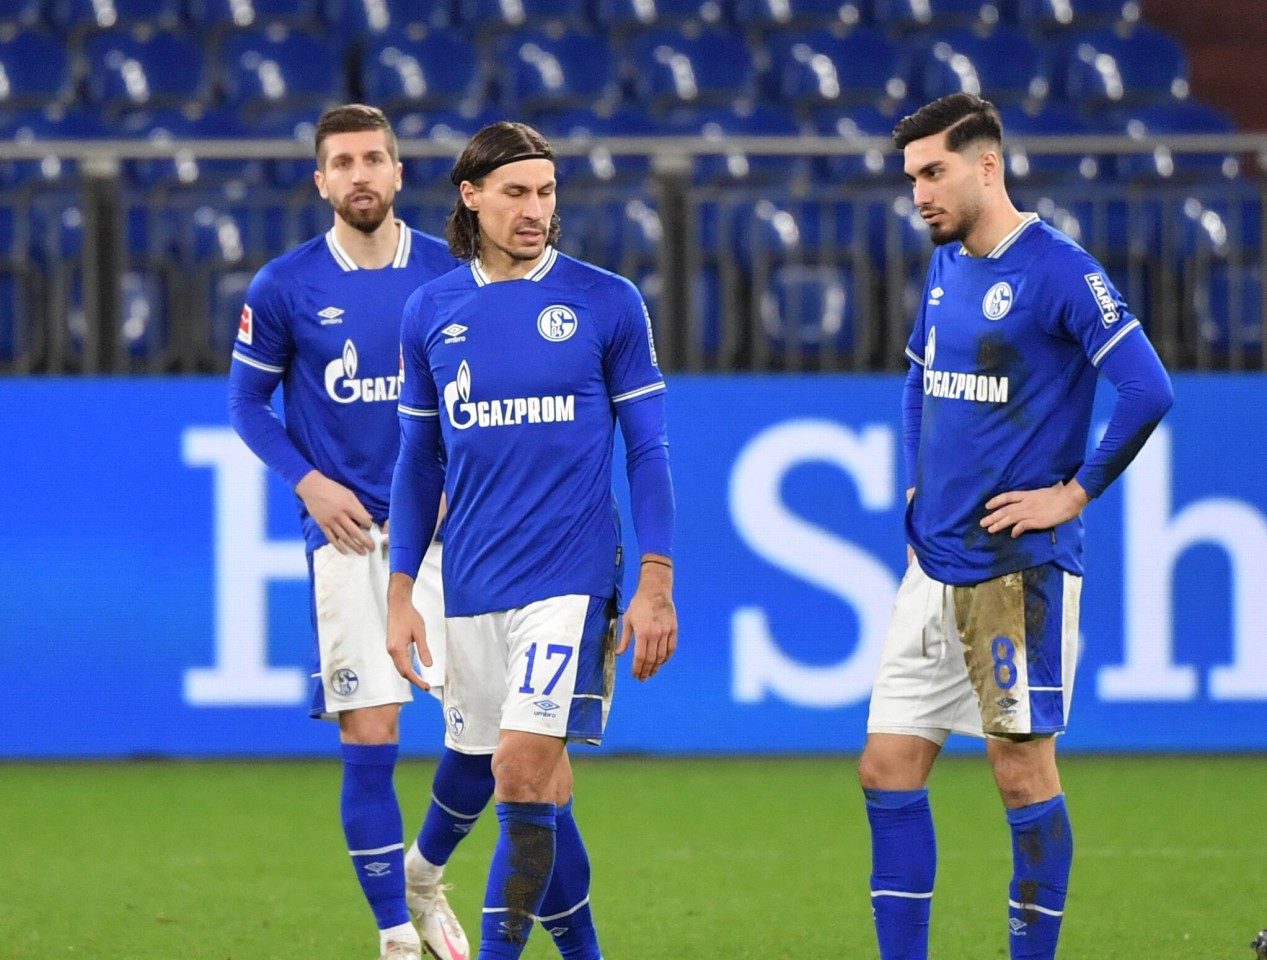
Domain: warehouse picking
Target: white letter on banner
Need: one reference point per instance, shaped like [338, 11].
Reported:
[773, 532]
[1154, 542]
[246, 560]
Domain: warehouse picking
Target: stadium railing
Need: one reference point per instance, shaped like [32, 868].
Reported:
[754, 253]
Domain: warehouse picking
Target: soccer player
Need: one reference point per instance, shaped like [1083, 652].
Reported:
[1015, 324]
[518, 367]
[324, 321]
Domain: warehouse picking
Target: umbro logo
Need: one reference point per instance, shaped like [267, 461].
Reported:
[453, 333]
[378, 868]
[546, 704]
[330, 315]
[935, 295]
[1017, 926]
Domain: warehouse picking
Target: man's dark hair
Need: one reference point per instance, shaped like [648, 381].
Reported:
[353, 118]
[495, 146]
[965, 118]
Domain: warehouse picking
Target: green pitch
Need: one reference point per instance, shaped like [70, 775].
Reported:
[696, 859]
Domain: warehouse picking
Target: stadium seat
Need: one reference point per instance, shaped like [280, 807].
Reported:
[50, 171]
[1172, 117]
[813, 67]
[538, 71]
[808, 308]
[860, 121]
[625, 17]
[220, 16]
[1227, 300]
[129, 73]
[1051, 119]
[1104, 68]
[80, 16]
[277, 70]
[905, 16]
[19, 15]
[673, 68]
[1044, 16]
[366, 18]
[287, 173]
[599, 165]
[34, 71]
[503, 16]
[1004, 67]
[454, 125]
[441, 69]
[835, 15]
[734, 166]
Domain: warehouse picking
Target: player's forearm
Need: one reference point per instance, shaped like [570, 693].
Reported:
[1144, 394]
[251, 415]
[912, 416]
[417, 485]
[650, 482]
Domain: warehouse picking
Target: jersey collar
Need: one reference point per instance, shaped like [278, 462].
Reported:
[404, 243]
[536, 273]
[1005, 244]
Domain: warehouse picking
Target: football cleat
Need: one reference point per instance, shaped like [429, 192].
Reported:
[402, 951]
[442, 934]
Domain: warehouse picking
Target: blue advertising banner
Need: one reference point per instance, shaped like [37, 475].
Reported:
[153, 596]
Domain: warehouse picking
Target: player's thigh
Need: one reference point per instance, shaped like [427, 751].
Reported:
[428, 598]
[475, 681]
[561, 667]
[348, 601]
[1020, 637]
[921, 687]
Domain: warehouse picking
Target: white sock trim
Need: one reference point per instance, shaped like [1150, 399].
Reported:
[566, 913]
[375, 852]
[1035, 907]
[902, 893]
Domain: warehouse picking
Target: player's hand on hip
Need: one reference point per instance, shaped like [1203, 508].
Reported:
[1040, 509]
[651, 620]
[406, 631]
[337, 511]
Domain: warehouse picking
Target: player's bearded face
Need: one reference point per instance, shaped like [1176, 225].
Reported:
[360, 177]
[947, 191]
[363, 208]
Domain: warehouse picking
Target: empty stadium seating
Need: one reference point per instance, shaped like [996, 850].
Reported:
[167, 70]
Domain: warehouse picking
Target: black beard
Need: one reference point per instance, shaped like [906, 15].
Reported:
[367, 221]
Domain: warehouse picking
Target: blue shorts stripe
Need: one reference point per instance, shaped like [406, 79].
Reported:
[1044, 593]
[586, 714]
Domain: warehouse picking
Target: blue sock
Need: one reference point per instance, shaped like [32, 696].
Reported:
[517, 878]
[565, 911]
[372, 825]
[1042, 853]
[461, 789]
[903, 866]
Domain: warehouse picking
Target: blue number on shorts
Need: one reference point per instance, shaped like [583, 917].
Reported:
[532, 656]
[1004, 663]
[552, 651]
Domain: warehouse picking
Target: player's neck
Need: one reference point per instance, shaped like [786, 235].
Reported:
[498, 265]
[369, 251]
[990, 230]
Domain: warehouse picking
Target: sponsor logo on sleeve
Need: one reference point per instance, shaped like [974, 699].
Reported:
[650, 336]
[1109, 314]
[246, 325]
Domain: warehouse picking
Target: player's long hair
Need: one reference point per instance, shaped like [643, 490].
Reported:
[353, 118]
[497, 144]
[965, 118]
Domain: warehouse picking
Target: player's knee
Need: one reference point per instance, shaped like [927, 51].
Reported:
[370, 726]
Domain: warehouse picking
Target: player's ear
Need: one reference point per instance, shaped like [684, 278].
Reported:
[319, 179]
[991, 165]
[469, 195]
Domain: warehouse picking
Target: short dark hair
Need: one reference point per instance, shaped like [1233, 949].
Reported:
[497, 144]
[353, 118]
[965, 118]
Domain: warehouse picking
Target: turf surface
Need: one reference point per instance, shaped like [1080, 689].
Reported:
[697, 859]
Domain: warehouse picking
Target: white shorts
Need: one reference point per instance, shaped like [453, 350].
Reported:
[547, 668]
[994, 659]
[351, 668]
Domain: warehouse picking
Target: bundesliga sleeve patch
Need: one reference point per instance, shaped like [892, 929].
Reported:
[1103, 299]
[246, 325]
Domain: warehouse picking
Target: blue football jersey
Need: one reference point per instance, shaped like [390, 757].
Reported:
[524, 376]
[1008, 344]
[332, 330]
